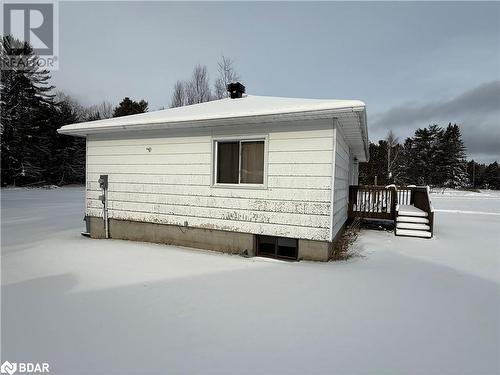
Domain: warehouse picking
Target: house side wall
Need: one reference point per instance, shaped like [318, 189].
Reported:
[340, 181]
[166, 179]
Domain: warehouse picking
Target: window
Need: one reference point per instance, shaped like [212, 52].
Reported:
[228, 160]
[240, 162]
[266, 246]
[277, 247]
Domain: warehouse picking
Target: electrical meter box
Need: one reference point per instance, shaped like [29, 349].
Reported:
[103, 181]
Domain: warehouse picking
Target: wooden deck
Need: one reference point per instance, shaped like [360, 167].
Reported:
[387, 203]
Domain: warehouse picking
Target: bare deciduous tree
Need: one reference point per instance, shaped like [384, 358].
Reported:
[80, 110]
[227, 74]
[392, 142]
[198, 89]
[100, 111]
[179, 97]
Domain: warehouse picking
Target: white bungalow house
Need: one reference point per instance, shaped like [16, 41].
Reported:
[256, 175]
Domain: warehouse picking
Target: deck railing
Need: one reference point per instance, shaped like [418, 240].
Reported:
[422, 200]
[372, 202]
[404, 195]
[379, 202]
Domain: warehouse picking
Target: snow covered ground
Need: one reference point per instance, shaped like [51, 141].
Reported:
[105, 306]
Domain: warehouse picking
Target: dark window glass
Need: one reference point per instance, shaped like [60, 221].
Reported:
[277, 247]
[228, 155]
[287, 248]
[252, 162]
[267, 246]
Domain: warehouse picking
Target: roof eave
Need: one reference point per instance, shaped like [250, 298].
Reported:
[83, 131]
[364, 134]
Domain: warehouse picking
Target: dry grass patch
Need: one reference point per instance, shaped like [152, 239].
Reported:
[344, 247]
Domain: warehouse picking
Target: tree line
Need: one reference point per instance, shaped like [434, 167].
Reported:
[434, 156]
[483, 176]
[31, 111]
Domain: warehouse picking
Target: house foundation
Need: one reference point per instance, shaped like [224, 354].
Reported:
[201, 238]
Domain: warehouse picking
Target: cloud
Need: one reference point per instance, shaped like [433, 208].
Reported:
[477, 111]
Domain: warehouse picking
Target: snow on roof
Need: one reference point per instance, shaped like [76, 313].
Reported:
[248, 109]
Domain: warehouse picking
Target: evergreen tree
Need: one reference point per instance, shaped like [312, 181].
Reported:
[403, 174]
[130, 107]
[479, 175]
[491, 178]
[64, 161]
[472, 173]
[425, 154]
[376, 165]
[24, 91]
[32, 150]
[453, 167]
[433, 156]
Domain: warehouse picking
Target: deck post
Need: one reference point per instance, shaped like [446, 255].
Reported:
[353, 195]
[394, 195]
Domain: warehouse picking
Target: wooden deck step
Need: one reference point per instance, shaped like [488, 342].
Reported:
[413, 233]
[412, 219]
[407, 210]
[418, 226]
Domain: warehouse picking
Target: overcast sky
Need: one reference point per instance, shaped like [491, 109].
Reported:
[412, 63]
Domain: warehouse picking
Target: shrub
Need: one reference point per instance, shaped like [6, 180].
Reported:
[344, 247]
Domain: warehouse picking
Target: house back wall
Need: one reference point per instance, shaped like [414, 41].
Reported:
[166, 178]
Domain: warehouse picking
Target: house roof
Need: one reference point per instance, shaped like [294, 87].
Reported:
[351, 116]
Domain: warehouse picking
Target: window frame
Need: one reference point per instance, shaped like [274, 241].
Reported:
[240, 139]
[276, 241]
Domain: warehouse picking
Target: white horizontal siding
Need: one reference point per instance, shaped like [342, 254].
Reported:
[299, 144]
[306, 169]
[186, 178]
[254, 204]
[148, 140]
[306, 157]
[151, 159]
[295, 194]
[234, 214]
[152, 169]
[157, 149]
[341, 182]
[166, 179]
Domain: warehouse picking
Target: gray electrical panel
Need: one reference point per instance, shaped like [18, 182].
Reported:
[103, 181]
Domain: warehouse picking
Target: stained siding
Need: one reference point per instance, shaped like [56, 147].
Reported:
[341, 182]
[171, 183]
